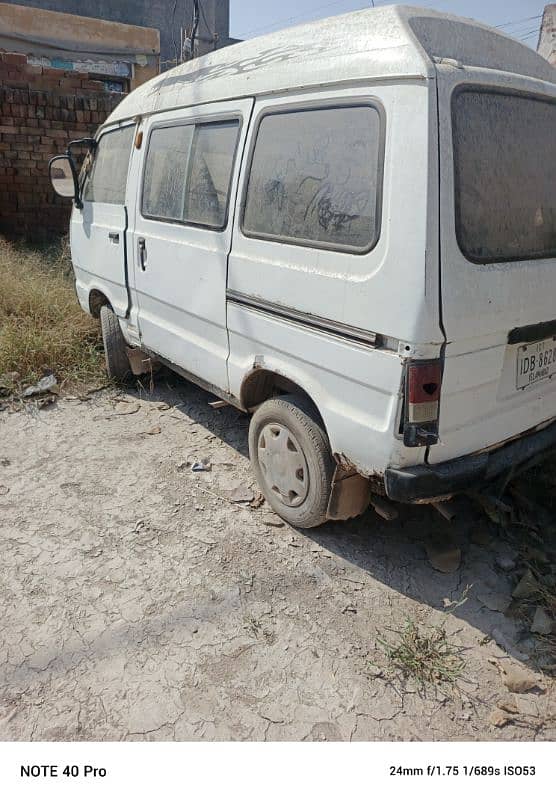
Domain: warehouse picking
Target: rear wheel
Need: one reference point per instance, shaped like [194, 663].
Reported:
[117, 362]
[291, 459]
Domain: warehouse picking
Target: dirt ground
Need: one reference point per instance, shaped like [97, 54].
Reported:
[139, 601]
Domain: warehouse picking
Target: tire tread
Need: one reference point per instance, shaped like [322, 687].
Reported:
[309, 421]
[117, 362]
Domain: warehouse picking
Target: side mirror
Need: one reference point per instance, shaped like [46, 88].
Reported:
[63, 177]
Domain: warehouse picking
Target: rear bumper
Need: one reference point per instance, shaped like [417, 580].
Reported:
[426, 482]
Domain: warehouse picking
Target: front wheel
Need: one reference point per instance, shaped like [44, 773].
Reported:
[291, 459]
[117, 362]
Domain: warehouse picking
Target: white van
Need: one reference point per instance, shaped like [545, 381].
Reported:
[347, 229]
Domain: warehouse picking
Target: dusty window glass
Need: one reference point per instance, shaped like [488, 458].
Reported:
[505, 176]
[212, 156]
[165, 172]
[315, 178]
[107, 180]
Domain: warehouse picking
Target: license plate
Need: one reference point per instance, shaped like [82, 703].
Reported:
[536, 362]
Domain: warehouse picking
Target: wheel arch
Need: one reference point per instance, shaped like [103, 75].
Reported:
[97, 299]
[262, 383]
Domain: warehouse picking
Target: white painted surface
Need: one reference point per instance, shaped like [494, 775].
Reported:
[481, 303]
[180, 297]
[179, 302]
[98, 260]
[362, 46]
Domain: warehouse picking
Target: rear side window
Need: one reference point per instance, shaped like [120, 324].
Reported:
[316, 178]
[188, 171]
[107, 180]
[505, 175]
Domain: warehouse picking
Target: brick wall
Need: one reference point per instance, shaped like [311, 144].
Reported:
[41, 109]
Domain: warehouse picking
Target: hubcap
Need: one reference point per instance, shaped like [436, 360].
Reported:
[283, 464]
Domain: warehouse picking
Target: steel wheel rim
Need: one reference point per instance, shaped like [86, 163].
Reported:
[283, 464]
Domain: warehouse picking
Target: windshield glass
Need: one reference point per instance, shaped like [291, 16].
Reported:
[505, 175]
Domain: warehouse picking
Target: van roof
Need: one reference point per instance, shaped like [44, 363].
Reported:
[388, 42]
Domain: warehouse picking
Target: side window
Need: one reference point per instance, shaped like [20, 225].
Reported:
[316, 178]
[187, 173]
[212, 157]
[107, 180]
[165, 172]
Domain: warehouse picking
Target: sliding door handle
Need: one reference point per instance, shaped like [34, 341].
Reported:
[142, 253]
[114, 237]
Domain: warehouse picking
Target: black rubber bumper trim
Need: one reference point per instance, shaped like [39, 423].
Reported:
[424, 481]
[532, 333]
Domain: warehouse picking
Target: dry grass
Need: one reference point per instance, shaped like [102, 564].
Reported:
[424, 654]
[42, 327]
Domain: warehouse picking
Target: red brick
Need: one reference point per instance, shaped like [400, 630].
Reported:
[52, 72]
[70, 83]
[32, 69]
[90, 84]
[14, 58]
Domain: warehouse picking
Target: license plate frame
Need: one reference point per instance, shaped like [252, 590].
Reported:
[535, 363]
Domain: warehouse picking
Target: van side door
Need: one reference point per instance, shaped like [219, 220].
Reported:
[98, 229]
[182, 234]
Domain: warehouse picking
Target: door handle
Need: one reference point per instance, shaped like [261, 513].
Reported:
[142, 253]
[114, 237]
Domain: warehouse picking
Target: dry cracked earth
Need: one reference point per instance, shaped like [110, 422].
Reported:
[140, 600]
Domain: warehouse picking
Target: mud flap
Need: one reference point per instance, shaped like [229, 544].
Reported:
[350, 495]
[140, 362]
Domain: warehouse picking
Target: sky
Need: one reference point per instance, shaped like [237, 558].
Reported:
[249, 18]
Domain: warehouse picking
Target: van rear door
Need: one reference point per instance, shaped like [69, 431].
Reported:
[498, 258]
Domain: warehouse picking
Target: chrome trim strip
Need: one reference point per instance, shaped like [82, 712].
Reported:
[320, 324]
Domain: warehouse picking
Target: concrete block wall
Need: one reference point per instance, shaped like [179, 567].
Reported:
[41, 110]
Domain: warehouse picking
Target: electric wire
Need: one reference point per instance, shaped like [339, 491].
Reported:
[518, 21]
[285, 21]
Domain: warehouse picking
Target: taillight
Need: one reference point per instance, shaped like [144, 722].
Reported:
[422, 403]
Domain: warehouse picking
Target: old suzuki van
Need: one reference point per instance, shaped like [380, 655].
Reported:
[348, 230]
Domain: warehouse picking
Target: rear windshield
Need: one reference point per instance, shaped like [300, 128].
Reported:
[505, 175]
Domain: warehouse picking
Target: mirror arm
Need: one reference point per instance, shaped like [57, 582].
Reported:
[76, 199]
[87, 142]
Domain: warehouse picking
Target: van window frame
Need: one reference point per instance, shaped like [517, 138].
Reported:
[83, 181]
[320, 105]
[193, 122]
[462, 88]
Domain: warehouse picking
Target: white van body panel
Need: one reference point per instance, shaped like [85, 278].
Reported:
[382, 290]
[98, 256]
[384, 43]
[180, 296]
[351, 48]
[342, 326]
[356, 389]
[98, 247]
[481, 304]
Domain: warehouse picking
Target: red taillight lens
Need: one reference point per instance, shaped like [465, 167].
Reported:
[423, 391]
[422, 403]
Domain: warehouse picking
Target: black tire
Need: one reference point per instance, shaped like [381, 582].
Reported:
[300, 418]
[117, 362]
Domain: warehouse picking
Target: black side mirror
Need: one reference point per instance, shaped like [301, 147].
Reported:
[63, 177]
